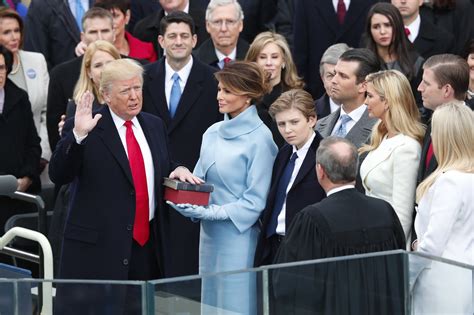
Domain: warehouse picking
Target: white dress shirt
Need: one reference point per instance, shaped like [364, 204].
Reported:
[333, 106]
[221, 56]
[346, 3]
[301, 153]
[338, 189]
[355, 115]
[183, 78]
[414, 28]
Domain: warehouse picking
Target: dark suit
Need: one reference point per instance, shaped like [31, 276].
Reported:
[457, 21]
[258, 15]
[304, 191]
[207, 53]
[197, 111]
[98, 234]
[51, 29]
[358, 135]
[345, 223]
[322, 106]
[62, 80]
[148, 28]
[423, 170]
[316, 28]
[432, 40]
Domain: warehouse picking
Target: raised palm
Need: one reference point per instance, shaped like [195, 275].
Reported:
[83, 120]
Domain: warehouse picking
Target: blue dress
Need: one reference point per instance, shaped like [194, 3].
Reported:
[237, 157]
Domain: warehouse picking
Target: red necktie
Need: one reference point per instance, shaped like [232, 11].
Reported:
[141, 226]
[341, 11]
[407, 31]
[227, 60]
[429, 155]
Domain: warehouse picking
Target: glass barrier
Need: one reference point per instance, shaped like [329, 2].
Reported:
[394, 282]
[375, 283]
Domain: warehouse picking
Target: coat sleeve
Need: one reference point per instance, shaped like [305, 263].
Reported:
[445, 208]
[66, 160]
[32, 148]
[405, 170]
[56, 106]
[43, 132]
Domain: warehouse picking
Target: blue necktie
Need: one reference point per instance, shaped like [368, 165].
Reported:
[342, 130]
[79, 14]
[281, 194]
[175, 94]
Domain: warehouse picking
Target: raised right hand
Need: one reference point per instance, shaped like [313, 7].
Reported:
[83, 120]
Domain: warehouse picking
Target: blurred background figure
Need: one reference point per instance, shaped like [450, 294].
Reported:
[385, 36]
[326, 105]
[445, 215]
[126, 43]
[454, 16]
[427, 38]
[271, 52]
[53, 28]
[20, 149]
[469, 55]
[318, 25]
[294, 184]
[236, 157]
[29, 72]
[390, 168]
[98, 54]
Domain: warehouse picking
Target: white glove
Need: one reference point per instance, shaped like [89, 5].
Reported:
[211, 212]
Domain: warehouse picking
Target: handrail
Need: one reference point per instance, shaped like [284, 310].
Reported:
[47, 308]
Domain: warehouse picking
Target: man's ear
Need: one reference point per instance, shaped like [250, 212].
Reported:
[363, 87]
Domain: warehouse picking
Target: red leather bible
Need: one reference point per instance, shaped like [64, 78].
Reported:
[182, 192]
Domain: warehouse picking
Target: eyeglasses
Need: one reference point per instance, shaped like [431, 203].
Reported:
[228, 23]
[3, 68]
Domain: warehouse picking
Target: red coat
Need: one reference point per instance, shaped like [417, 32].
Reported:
[139, 49]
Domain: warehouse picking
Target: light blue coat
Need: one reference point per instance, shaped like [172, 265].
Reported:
[237, 157]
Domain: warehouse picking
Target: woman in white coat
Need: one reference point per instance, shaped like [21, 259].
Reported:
[237, 157]
[389, 171]
[30, 72]
[445, 217]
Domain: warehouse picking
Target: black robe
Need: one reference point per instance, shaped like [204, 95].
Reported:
[345, 223]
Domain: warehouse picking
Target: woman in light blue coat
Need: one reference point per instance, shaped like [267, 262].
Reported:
[237, 157]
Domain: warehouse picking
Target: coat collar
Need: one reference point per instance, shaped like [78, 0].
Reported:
[244, 123]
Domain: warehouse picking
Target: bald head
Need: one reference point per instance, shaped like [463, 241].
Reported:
[338, 158]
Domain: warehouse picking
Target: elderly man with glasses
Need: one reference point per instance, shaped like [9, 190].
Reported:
[224, 23]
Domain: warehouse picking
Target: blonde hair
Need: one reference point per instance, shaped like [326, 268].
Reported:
[118, 70]
[289, 75]
[402, 115]
[452, 135]
[85, 82]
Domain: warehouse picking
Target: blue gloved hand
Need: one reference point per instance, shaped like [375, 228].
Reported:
[211, 212]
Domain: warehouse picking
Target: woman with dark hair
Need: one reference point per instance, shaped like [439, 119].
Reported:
[237, 156]
[271, 51]
[20, 149]
[385, 36]
[29, 72]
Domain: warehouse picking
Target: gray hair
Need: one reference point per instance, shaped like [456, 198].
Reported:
[117, 70]
[213, 4]
[332, 54]
[339, 159]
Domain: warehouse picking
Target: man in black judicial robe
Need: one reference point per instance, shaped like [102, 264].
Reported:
[345, 223]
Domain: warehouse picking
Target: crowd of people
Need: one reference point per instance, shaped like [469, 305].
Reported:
[327, 128]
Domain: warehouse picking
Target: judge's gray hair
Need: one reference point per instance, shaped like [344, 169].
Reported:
[339, 159]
